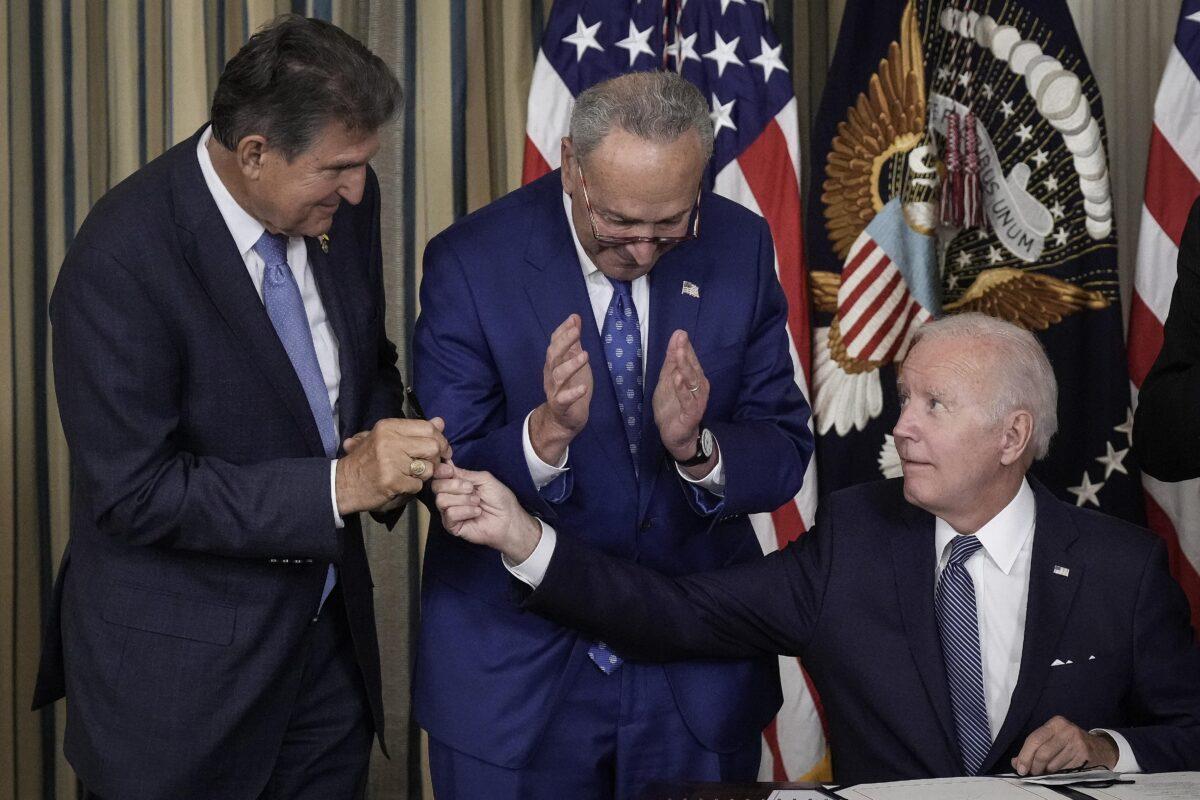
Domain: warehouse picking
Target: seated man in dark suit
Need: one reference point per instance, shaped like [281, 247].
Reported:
[961, 620]
[218, 332]
[1166, 431]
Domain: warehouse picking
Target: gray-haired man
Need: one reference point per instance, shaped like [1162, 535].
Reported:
[218, 330]
[961, 620]
[610, 340]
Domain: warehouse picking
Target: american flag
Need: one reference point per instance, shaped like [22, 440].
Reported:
[1172, 186]
[729, 50]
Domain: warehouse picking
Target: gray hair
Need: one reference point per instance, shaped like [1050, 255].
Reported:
[658, 106]
[1022, 376]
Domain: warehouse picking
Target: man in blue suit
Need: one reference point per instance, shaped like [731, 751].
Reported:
[611, 341]
[961, 620]
[218, 329]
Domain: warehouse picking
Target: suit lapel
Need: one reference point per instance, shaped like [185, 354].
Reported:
[556, 289]
[324, 270]
[212, 255]
[1049, 604]
[914, 564]
[670, 310]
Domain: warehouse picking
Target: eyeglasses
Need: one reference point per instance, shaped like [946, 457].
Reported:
[618, 241]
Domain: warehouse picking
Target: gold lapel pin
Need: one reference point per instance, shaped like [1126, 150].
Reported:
[324, 240]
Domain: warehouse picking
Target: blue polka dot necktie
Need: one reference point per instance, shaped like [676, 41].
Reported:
[285, 307]
[958, 624]
[622, 335]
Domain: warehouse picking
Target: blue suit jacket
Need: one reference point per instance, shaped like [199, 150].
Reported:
[495, 287]
[854, 599]
[201, 520]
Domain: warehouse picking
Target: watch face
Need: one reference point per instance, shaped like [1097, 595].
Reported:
[706, 442]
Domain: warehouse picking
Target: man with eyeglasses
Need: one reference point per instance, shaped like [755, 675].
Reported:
[610, 342]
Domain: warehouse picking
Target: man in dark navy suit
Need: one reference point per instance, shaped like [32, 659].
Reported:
[961, 620]
[218, 332]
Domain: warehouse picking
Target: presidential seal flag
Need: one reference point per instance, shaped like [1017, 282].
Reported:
[1172, 186]
[960, 164]
[729, 50]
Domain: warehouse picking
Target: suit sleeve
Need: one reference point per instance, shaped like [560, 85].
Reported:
[118, 376]
[1164, 702]
[456, 378]
[1167, 425]
[767, 443]
[770, 605]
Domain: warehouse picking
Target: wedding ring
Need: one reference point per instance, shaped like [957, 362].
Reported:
[416, 468]
[694, 389]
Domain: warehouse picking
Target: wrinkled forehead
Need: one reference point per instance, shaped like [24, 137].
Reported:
[949, 365]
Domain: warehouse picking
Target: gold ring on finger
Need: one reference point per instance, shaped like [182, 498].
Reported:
[694, 389]
[416, 468]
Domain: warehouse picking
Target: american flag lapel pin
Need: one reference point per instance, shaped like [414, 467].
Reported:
[1061, 571]
[690, 289]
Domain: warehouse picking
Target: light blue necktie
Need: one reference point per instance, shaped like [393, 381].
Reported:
[958, 625]
[285, 307]
[622, 335]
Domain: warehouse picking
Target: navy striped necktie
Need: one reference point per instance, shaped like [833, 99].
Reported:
[958, 624]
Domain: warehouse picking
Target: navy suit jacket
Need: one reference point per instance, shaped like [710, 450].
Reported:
[853, 598]
[495, 287]
[201, 519]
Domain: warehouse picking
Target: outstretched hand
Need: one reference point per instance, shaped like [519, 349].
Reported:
[478, 508]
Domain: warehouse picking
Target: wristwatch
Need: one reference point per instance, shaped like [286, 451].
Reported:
[705, 444]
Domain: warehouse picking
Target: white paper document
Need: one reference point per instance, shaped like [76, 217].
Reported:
[1158, 786]
[950, 789]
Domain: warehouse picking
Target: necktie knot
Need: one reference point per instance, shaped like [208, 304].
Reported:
[963, 547]
[623, 288]
[272, 248]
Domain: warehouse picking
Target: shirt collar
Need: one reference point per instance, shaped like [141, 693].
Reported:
[1002, 536]
[585, 261]
[246, 230]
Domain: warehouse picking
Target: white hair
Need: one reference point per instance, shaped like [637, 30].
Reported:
[658, 106]
[1022, 377]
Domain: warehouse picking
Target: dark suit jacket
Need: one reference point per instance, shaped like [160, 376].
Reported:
[495, 287]
[201, 519]
[854, 599]
[1166, 432]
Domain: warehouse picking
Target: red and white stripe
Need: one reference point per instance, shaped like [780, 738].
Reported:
[766, 179]
[876, 312]
[1172, 185]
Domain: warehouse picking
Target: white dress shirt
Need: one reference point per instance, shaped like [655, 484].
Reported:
[600, 292]
[246, 231]
[1000, 572]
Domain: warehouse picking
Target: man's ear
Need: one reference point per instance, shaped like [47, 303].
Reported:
[1016, 435]
[567, 159]
[250, 153]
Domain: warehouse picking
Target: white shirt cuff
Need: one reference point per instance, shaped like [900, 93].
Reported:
[338, 522]
[541, 472]
[713, 482]
[533, 569]
[1126, 760]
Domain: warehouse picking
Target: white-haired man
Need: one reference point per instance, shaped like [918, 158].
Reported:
[961, 620]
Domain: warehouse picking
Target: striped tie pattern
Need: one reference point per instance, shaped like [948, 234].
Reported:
[958, 625]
